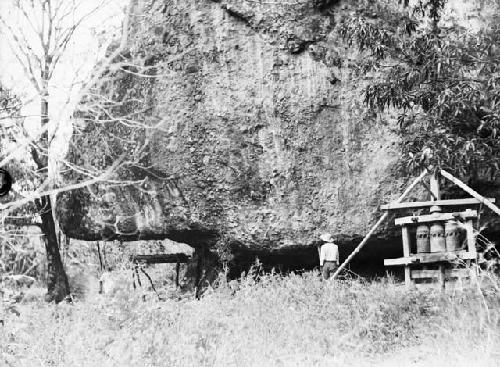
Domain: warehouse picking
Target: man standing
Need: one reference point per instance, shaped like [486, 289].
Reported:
[328, 256]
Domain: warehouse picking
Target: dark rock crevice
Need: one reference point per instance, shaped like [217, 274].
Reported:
[295, 34]
[326, 5]
[243, 14]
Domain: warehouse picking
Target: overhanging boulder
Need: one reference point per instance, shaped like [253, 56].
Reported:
[258, 139]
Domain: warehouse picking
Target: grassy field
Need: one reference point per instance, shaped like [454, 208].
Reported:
[294, 320]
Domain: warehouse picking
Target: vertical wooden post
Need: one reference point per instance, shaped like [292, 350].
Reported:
[442, 280]
[406, 253]
[67, 245]
[205, 261]
[101, 264]
[61, 246]
[177, 270]
[471, 245]
[319, 254]
[103, 249]
[435, 189]
[471, 241]
[199, 265]
[201, 270]
[434, 184]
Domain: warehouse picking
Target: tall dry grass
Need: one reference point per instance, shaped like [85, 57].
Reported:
[294, 320]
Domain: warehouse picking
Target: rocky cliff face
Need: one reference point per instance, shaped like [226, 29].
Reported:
[258, 136]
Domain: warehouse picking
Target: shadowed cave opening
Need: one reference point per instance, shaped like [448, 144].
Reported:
[369, 263]
[204, 263]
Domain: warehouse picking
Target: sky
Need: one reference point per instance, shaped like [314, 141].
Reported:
[86, 47]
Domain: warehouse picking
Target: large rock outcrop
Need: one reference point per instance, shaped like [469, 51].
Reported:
[258, 137]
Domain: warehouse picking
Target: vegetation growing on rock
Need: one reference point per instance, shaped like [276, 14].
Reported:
[442, 77]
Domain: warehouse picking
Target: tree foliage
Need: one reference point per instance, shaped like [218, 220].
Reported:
[443, 80]
[9, 103]
[39, 35]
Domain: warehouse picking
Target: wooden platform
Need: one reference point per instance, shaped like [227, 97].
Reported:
[426, 258]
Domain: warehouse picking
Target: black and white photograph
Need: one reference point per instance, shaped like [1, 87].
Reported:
[249, 183]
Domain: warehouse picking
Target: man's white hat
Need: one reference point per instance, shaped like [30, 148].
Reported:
[327, 237]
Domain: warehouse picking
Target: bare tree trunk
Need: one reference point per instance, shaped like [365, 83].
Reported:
[54, 33]
[57, 280]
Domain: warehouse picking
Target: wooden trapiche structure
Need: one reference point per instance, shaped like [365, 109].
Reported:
[442, 237]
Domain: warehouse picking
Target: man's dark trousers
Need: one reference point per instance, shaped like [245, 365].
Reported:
[329, 268]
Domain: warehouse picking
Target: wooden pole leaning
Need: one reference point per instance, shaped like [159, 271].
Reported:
[470, 191]
[379, 222]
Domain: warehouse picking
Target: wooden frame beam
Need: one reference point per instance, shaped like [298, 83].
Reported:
[448, 273]
[430, 258]
[436, 217]
[424, 204]
[161, 258]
